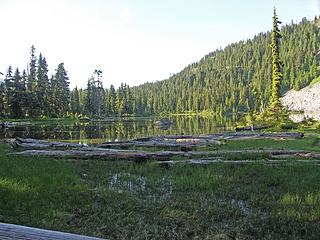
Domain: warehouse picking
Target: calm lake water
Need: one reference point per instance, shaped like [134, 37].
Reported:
[116, 129]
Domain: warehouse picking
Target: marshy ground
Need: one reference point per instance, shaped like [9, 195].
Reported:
[127, 200]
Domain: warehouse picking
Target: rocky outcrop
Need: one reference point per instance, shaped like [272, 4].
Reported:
[306, 100]
[164, 123]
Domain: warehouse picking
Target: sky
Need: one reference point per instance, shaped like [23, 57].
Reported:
[133, 41]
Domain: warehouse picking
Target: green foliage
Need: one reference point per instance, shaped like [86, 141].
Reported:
[275, 104]
[33, 94]
[124, 200]
[60, 91]
[236, 79]
[37, 191]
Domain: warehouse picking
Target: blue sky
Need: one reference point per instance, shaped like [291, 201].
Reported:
[133, 41]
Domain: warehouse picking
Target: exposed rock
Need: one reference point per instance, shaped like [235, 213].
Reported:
[307, 99]
[164, 123]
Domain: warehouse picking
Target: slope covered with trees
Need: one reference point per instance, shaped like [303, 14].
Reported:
[230, 80]
[237, 78]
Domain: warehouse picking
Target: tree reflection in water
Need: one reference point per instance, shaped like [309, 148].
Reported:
[117, 129]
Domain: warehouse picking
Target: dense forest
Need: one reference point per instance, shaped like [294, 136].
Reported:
[237, 78]
[230, 80]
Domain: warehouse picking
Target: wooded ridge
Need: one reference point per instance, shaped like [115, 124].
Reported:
[230, 80]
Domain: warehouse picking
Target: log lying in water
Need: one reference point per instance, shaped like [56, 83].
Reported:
[115, 154]
[188, 143]
[198, 141]
[18, 232]
[108, 151]
[251, 128]
[243, 136]
[28, 143]
[211, 161]
[105, 154]
[181, 143]
[184, 144]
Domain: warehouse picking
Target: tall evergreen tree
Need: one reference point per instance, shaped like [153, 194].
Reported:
[60, 91]
[89, 103]
[112, 99]
[2, 99]
[275, 104]
[75, 101]
[8, 92]
[33, 108]
[95, 100]
[17, 97]
[43, 88]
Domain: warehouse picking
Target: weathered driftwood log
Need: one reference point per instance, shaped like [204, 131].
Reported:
[243, 136]
[237, 136]
[211, 161]
[27, 143]
[151, 144]
[198, 141]
[184, 144]
[179, 144]
[105, 155]
[17, 232]
[114, 154]
[251, 128]
[187, 142]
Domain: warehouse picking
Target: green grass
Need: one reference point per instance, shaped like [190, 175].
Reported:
[37, 191]
[124, 200]
[306, 143]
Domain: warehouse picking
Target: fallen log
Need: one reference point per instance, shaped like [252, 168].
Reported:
[187, 141]
[115, 154]
[251, 128]
[162, 142]
[178, 144]
[242, 136]
[28, 143]
[211, 161]
[161, 145]
[199, 141]
[18, 232]
[105, 155]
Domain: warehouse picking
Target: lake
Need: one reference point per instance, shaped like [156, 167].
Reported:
[116, 129]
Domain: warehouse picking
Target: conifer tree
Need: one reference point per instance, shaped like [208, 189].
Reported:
[33, 109]
[275, 104]
[61, 91]
[2, 99]
[112, 99]
[17, 96]
[8, 81]
[42, 88]
[75, 101]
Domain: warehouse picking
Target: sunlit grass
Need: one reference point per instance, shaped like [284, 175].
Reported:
[306, 143]
[34, 189]
[11, 185]
[126, 200]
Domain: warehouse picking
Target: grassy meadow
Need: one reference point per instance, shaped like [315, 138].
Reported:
[126, 200]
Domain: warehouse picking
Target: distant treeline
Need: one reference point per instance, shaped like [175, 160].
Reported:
[230, 80]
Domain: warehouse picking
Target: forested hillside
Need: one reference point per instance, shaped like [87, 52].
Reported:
[234, 79]
[237, 78]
